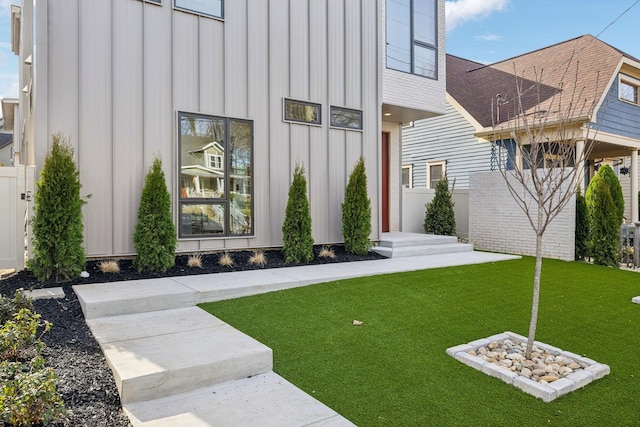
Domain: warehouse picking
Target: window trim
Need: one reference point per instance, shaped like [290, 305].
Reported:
[199, 13]
[353, 110]
[226, 201]
[301, 122]
[410, 167]
[414, 42]
[629, 81]
[442, 163]
[156, 2]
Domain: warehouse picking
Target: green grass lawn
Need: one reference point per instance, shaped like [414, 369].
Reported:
[393, 370]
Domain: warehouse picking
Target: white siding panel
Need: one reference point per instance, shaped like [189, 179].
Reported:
[337, 139]
[62, 75]
[235, 58]
[159, 114]
[258, 111]
[127, 121]
[370, 109]
[279, 154]
[94, 137]
[186, 64]
[318, 170]
[212, 88]
[353, 54]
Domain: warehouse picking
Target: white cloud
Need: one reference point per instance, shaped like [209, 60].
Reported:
[460, 11]
[488, 37]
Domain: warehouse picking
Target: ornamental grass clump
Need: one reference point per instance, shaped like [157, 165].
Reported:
[57, 223]
[155, 235]
[258, 258]
[356, 212]
[296, 230]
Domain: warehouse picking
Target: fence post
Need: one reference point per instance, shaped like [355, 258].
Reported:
[636, 245]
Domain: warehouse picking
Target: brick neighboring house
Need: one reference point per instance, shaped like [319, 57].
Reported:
[459, 142]
[231, 94]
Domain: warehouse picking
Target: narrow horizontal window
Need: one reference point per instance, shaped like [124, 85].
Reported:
[214, 8]
[346, 118]
[302, 112]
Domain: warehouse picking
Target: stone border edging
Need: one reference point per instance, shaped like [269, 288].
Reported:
[546, 392]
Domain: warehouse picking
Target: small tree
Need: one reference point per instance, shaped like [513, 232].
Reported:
[296, 230]
[356, 212]
[155, 234]
[546, 128]
[603, 218]
[439, 216]
[57, 222]
[582, 227]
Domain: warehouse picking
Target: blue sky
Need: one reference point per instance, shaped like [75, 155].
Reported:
[481, 30]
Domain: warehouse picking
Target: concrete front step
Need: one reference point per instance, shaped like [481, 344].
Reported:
[135, 296]
[158, 354]
[264, 400]
[398, 240]
[412, 251]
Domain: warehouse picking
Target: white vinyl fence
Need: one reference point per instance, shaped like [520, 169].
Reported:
[413, 209]
[16, 187]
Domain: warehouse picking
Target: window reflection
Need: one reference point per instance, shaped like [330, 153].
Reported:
[216, 176]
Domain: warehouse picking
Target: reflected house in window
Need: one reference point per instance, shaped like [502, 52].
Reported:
[203, 175]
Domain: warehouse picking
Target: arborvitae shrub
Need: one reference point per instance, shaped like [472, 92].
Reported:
[155, 234]
[296, 231]
[605, 228]
[57, 223]
[440, 216]
[356, 212]
[606, 173]
[582, 227]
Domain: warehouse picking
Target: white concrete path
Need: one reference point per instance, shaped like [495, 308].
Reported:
[175, 365]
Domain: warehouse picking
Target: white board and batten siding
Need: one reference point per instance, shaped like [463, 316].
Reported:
[119, 71]
[445, 138]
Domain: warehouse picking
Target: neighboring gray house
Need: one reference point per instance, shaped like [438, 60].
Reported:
[459, 142]
[231, 95]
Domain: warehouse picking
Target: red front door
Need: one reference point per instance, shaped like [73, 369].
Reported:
[385, 182]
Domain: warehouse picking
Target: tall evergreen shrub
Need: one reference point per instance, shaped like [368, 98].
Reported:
[57, 223]
[605, 227]
[440, 216]
[296, 230]
[582, 228]
[155, 234]
[606, 173]
[356, 212]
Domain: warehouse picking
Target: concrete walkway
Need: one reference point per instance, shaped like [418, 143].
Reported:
[175, 365]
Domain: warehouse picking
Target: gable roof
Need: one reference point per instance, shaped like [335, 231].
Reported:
[582, 66]
[5, 139]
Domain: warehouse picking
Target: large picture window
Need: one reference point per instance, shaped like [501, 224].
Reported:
[412, 34]
[216, 176]
[213, 8]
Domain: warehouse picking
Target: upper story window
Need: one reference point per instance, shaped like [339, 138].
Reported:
[628, 89]
[412, 34]
[214, 8]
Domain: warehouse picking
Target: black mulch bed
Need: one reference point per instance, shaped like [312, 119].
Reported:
[85, 381]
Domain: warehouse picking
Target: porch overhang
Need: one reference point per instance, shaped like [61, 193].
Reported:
[398, 114]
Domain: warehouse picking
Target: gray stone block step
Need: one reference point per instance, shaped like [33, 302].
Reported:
[158, 354]
[412, 251]
[265, 400]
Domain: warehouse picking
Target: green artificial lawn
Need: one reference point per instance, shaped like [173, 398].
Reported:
[393, 370]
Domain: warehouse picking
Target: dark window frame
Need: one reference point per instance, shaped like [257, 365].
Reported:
[415, 42]
[226, 200]
[351, 110]
[198, 12]
[288, 119]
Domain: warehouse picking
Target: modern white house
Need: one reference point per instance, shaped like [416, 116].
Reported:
[230, 95]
